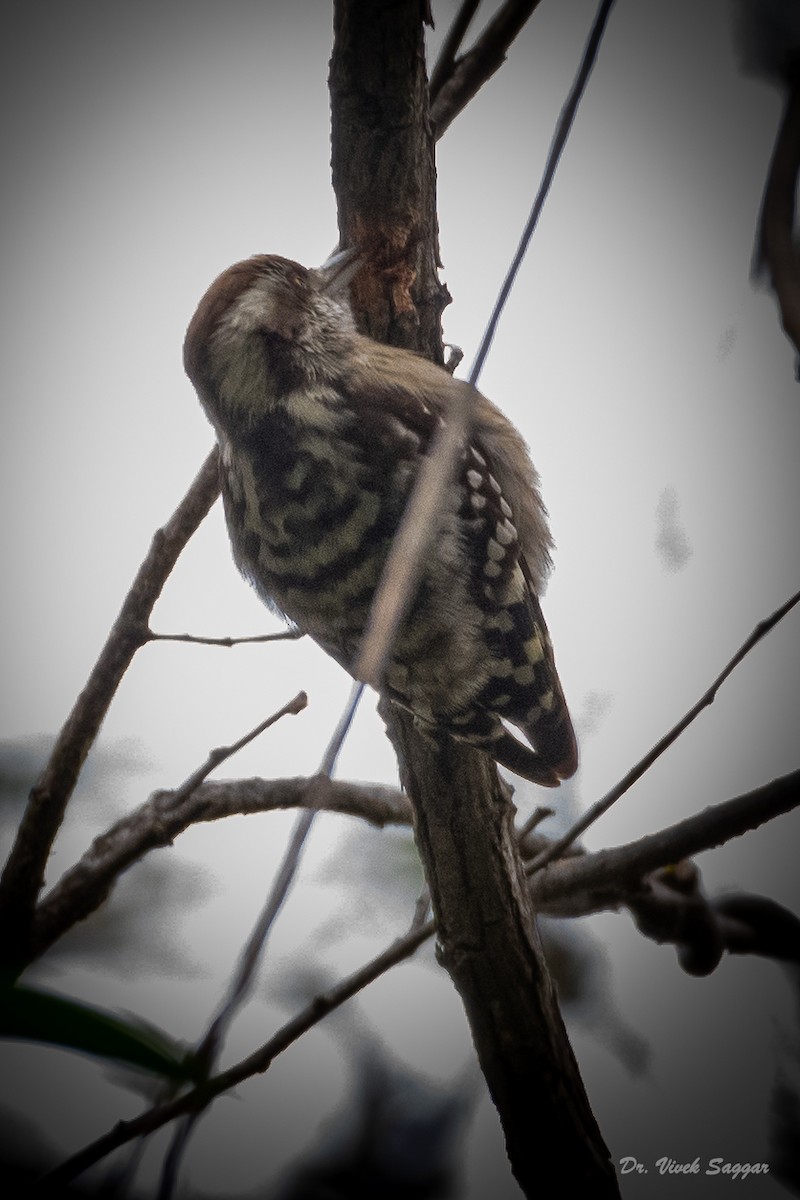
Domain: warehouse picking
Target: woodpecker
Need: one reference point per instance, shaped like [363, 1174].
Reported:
[321, 433]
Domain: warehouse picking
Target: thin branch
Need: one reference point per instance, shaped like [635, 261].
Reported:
[669, 904]
[593, 878]
[468, 74]
[241, 983]
[252, 954]
[208, 1048]
[586, 883]
[157, 823]
[287, 635]
[539, 814]
[254, 1064]
[602, 806]
[254, 949]
[165, 815]
[222, 753]
[376, 803]
[23, 876]
[445, 63]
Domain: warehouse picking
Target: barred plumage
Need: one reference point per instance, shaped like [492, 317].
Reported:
[321, 432]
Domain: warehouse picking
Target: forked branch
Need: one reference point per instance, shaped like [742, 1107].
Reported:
[23, 875]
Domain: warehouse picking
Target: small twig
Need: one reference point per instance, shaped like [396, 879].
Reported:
[207, 1051]
[287, 635]
[609, 874]
[698, 833]
[596, 811]
[539, 814]
[254, 948]
[222, 753]
[457, 85]
[252, 955]
[24, 871]
[451, 45]
[157, 822]
[254, 1064]
[552, 890]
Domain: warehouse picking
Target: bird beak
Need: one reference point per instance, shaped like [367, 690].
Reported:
[337, 271]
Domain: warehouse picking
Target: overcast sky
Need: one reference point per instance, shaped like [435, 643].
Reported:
[145, 148]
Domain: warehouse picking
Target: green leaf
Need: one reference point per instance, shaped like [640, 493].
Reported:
[28, 1014]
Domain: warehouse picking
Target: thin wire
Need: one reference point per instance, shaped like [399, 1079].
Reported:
[251, 956]
[565, 120]
[601, 806]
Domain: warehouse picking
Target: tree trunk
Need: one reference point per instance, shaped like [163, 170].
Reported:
[385, 183]
[384, 176]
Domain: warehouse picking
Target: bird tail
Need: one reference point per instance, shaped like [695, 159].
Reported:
[552, 755]
[523, 761]
[556, 754]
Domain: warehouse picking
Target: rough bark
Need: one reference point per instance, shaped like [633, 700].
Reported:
[382, 159]
[384, 178]
[488, 942]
